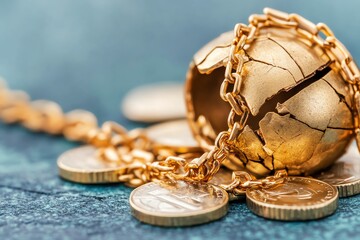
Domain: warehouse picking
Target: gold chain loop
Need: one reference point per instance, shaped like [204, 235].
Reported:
[134, 150]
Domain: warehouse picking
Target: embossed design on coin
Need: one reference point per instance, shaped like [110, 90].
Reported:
[299, 198]
[345, 175]
[81, 165]
[180, 204]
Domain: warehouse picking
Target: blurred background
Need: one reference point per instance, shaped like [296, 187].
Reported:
[89, 53]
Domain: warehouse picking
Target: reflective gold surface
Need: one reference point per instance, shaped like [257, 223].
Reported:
[291, 91]
[301, 112]
[344, 174]
[224, 176]
[298, 198]
[181, 204]
[81, 165]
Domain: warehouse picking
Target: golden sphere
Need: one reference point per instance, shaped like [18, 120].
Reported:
[301, 109]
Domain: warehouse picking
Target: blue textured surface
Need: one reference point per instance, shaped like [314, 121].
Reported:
[87, 54]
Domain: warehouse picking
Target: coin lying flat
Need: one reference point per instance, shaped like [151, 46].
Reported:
[181, 204]
[224, 176]
[298, 198]
[81, 165]
[175, 135]
[155, 103]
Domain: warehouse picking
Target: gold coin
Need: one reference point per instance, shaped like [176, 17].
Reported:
[345, 173]
[155, 103]
[180, 204]
[81, 165]
[299, 198]
[224, 176]
[175, 135]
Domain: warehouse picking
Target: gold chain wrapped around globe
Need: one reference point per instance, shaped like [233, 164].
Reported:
[245, 35]
[140, 163]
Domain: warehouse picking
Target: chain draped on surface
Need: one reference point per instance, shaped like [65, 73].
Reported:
[134, 150]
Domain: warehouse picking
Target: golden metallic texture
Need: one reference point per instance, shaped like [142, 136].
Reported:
[298, 198]
[215, 52]
[344, 174]
[224, 176]
[90, 166]
[182, 204]
[263, 80]
[81, 165]
[289, 93]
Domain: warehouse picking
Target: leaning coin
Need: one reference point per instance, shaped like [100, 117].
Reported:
[81, 165]
[175, 135]
[224, 176]
[180, 204]
[298, 198]
[155, 103]
[345, 175]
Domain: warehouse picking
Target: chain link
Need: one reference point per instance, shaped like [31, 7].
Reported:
[242, 180]
[134, 149]
[141, 162]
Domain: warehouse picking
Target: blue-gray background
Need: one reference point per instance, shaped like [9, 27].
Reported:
[88, 54]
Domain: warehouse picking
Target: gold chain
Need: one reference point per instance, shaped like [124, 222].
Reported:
[134, 149]
[245, 34]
